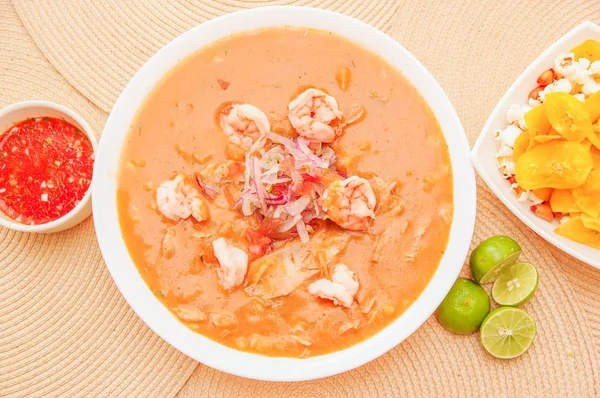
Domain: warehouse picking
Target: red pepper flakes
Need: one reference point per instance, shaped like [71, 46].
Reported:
[224, 85]
[45, 169]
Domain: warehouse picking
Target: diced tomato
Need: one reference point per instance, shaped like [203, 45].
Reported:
[261, 235]
[256, 237]
[258, 250]
[304, 188]
[259, 244]
[268, 225]
[224, 84]
[278, 190]
[310, 178]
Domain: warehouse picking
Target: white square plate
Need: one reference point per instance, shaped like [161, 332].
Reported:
[483, 153]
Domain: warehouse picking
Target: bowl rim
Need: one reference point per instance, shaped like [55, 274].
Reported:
[254, 366]
[570, 247]
[58, 223]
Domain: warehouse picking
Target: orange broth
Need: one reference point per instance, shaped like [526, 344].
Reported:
[399, 140]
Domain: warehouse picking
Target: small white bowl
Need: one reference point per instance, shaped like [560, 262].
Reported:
[22, 110]
[218, 356]
[483, 153]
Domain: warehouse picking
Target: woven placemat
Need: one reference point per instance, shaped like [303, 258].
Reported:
[475, 49]
[106, 42]
[65, 329]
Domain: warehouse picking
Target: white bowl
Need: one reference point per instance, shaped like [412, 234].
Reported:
[22, 110]
[483, 154]
[195, 345]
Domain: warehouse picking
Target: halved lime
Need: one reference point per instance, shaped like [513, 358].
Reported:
[491, 256]
[507, 332]
[464, 308]
[516, 285]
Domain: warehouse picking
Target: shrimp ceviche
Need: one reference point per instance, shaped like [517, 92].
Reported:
[288, 207]
[549, 152]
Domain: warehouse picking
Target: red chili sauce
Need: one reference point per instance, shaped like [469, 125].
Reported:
[45, 169]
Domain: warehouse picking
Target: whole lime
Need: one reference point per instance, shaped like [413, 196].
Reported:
[491, 256]
[464, 308]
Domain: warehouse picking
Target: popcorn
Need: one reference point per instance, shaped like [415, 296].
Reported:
[590, 87]
[509, 135]
[594, 69]
[575, 72]
[563, 85]
[529, 196]
[507, 167]
[584, 62]
[516, 114]
[504, 151]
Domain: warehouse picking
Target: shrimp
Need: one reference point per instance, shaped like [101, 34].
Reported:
[177, 199]
[312, 113]
[245, 125]
[341, 289]
[350, 203]
[233, 262]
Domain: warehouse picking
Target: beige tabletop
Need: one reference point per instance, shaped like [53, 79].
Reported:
[65, 329]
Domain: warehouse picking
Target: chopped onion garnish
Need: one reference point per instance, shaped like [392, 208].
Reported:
[286, 182]
[298, 206]
[288, 143]
[302, 232]
[311, 156]
[328, 156]
[289, 223]
[240, 200]
[278, 211]
[279, 200]
[258, 185]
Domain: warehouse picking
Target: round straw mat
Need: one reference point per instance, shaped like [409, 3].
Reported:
[475, 49]
[65, 329]
[104, 43]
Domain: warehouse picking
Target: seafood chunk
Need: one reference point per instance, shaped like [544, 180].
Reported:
[341, 289]
[312, 113]
[345, 277]
[178, 199]
[245, 125]
[350, 203]
[390, 200]
[189, 313]
[167, 248]
[333, 291]
[233, 262]
[282, 271]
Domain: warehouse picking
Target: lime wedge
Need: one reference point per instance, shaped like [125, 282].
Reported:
[516, 285]
[507, 332]
[491, 256]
